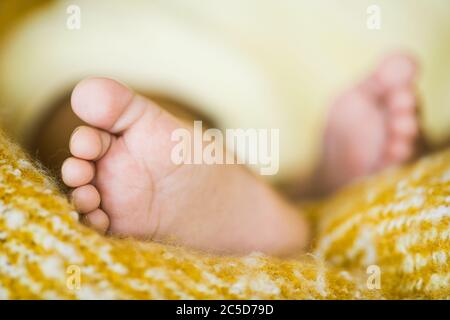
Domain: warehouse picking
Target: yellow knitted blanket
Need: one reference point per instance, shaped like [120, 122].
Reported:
[387, 237]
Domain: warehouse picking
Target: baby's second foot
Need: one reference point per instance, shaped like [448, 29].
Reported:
[372, 126]
[125, 182]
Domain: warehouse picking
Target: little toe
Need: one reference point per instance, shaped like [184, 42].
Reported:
[97, 220]
[399, 150]
[397, 70]
[86, 198]
[77, 172]
[89, 143]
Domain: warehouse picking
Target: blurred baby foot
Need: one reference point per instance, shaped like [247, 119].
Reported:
[372, 126]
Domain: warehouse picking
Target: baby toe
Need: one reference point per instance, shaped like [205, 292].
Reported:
[399, 150]
[77, 172]
[89, 143]
[97, 220]
[404, 126]
[86, 198]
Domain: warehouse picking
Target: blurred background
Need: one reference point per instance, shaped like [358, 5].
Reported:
[247, 63]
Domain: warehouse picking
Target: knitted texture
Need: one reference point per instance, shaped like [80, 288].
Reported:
[398, 221]
[41, 243]
[42, 246]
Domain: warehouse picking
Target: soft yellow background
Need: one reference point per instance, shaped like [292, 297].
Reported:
[252, 63]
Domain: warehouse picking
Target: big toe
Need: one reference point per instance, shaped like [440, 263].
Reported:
[397, 70]
[111, 106]
[100, 101]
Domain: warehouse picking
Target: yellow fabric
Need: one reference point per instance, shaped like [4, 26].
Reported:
[399, 221]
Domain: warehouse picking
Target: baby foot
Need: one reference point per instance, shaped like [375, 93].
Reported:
[372, 126]
[126, 183]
